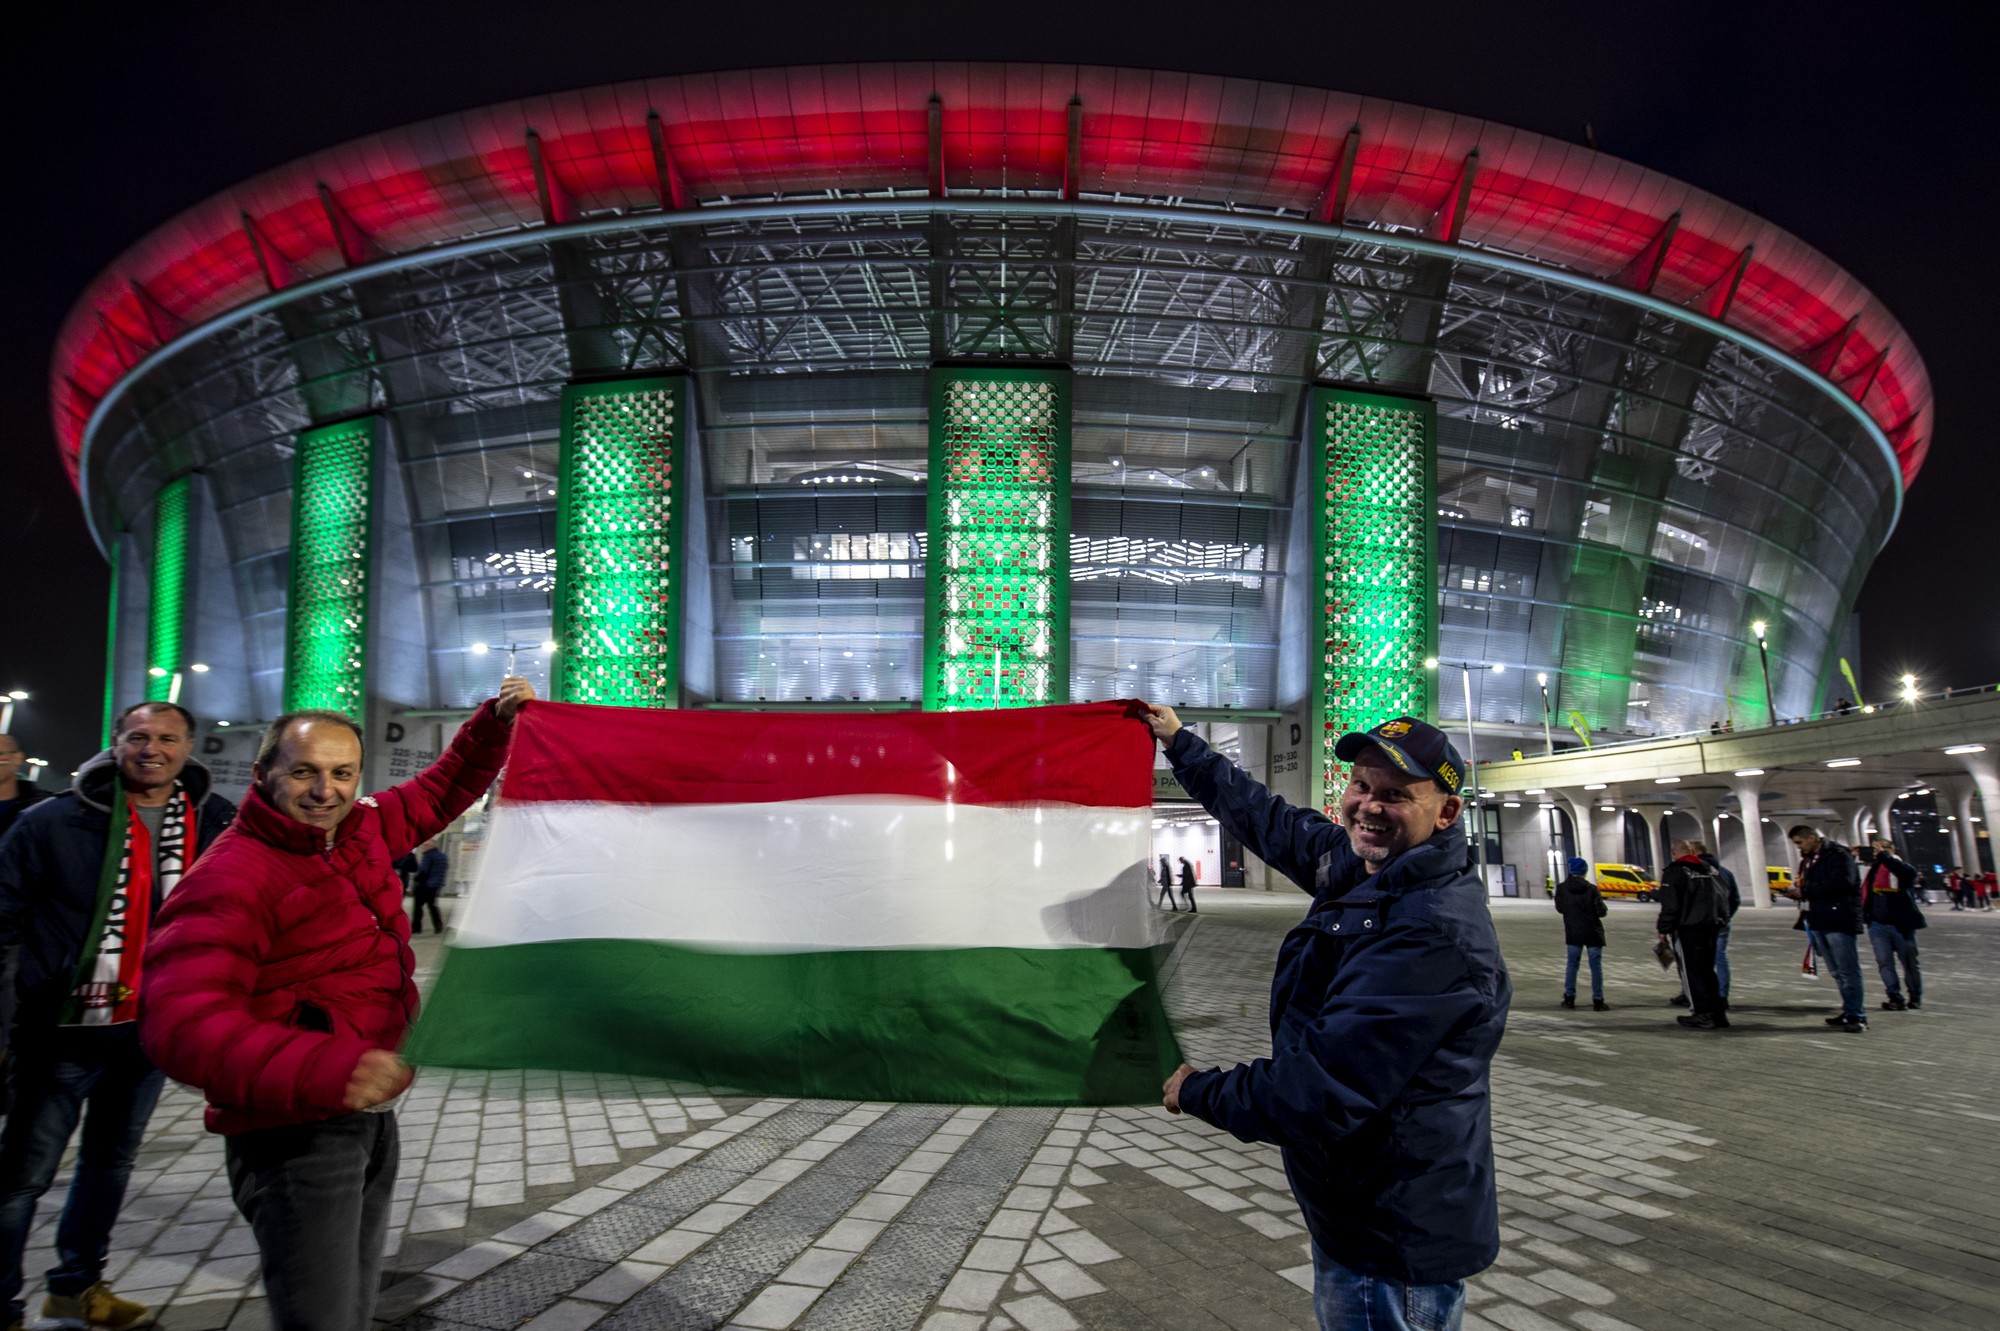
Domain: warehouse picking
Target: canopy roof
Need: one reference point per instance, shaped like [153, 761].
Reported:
[846, 130]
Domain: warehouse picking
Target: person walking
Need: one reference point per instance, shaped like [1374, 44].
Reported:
[1954, 887]
[1583, 910]
[1830, 888]
[1388, 1004]
[16, 796]
[432, 868]
[280, 982]
[1166, 886]
[1693, 908]
[83, 877]
[1889, 905]
[1187, 883]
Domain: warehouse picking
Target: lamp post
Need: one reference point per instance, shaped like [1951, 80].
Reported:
[1764, 660]
[7, 709]
[1548, 733]
[1909, 688]
[1477, 805]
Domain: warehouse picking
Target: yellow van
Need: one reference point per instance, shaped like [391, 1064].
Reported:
[1625, 882]
[1780, 879]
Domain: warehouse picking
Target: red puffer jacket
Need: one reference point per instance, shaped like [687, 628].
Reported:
[281, 957]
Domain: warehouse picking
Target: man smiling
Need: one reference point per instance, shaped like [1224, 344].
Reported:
[280, 983]
[1389, 1001]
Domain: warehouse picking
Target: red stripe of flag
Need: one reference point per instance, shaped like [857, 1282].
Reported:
[1088, 753]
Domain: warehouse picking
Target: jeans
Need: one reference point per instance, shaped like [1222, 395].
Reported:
[1843, 958]
[1892, 944]
[97, 1073]
[1576, 951]
[1722, 962]
[317, 1198]
[1346, 1300]
[426, 898]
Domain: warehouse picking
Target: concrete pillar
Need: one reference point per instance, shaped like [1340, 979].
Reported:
[1986, 775]
[1580, 810]
[1750, 874]
[1881, 806]
[1707, 803]
[1958, 792]
[1653, 818]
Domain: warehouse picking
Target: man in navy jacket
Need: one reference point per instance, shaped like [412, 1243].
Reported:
[1389, 1001]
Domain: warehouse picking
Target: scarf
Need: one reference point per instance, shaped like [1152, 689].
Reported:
[107, 973]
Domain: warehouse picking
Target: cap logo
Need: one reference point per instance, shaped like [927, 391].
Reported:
[1449, 775]
[1393, 729]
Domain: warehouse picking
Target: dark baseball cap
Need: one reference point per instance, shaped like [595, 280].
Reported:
[1415, 746]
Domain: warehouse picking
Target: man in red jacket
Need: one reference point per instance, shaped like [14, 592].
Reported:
[279, 981]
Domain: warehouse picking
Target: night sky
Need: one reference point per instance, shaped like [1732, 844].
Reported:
[1866, 130]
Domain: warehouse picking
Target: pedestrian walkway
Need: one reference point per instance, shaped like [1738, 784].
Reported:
[1775, 1175]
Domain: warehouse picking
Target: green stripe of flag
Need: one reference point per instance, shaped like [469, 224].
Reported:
[997, 1026]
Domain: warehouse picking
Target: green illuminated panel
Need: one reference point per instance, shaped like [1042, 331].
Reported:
[1375, 535]
[166, 628]
[617, 600]
[326, 619]
[997, 558]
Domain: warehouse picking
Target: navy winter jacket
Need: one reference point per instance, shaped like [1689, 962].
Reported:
[1389, 1001]
[50, 864]
[432, 869]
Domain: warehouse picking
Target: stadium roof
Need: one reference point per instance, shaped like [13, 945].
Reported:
[817, 132]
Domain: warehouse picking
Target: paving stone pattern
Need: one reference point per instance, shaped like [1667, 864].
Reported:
[1774, 1175]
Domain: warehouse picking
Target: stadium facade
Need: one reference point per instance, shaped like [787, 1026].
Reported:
[948, 384]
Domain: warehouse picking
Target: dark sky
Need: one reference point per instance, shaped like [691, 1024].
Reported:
[1866, 130]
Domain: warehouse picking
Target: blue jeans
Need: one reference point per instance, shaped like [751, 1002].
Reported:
[1576, 951]
[1346, 1300]
[1891, 945]
[98, 1074]
[1722, 962]
[317, 1198]
[1843, 958]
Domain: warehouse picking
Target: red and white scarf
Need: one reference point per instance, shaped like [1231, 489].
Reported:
[107, 991]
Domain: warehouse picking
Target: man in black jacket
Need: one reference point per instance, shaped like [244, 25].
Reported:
[80, 878]
[1582, 909]
[1831, 890]
[1389, 1001]
[1889, 905]
[1735, 903]
[1693, 908]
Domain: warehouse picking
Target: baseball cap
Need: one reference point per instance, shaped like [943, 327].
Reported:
[1415, 746]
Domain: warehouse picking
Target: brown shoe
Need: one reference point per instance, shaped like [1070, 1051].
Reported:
[96, 1307]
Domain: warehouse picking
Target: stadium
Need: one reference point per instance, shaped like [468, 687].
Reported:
[961, 385]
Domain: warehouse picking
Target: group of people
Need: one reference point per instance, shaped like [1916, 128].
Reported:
[258, 954]
[1167, 884]
[1840, 900]
[1971, 891]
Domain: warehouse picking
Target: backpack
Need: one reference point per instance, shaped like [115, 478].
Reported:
[1704, 901]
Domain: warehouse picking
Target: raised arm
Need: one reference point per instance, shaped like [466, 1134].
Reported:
[430, 801]
[1287, 838]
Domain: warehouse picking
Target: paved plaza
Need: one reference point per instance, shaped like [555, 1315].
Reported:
[1775, 1175]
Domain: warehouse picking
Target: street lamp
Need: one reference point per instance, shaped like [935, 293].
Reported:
[1548, 734]
[1472, 758]
[546, 645]
[1909, 688]
[1764, 660]
[7, 709]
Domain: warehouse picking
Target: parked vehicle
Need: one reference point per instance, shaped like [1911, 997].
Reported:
[1780, 879]
[1625, 882]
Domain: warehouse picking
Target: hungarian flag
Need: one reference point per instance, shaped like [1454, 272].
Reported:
[948, 907]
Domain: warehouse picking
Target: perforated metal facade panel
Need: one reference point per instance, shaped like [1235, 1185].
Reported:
[167, 628]
[998, 622]
[326, 626]
[1374, 549]
[618, 572]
